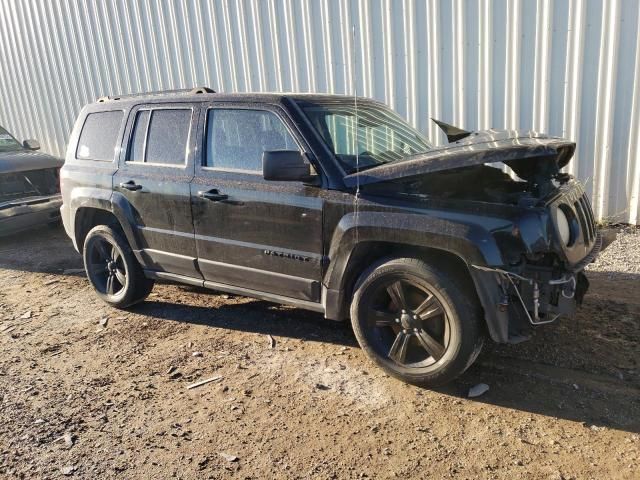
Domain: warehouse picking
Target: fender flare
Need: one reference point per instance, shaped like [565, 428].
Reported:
[469, 241]
[112, 202]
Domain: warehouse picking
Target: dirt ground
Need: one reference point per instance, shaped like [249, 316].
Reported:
[90, 392]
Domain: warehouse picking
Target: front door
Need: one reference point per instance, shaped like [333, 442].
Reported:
[251, 233]
[152, 186]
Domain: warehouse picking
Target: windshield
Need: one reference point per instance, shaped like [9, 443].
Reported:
[7, 142]
[382, 136]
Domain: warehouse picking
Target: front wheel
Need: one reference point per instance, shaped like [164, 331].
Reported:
[416, 321]
[112, 269]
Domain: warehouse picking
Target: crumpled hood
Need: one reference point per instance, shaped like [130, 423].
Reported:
[523, 151]
[25, 160]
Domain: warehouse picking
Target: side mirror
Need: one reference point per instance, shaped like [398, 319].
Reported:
[31, 144]
[285, 166]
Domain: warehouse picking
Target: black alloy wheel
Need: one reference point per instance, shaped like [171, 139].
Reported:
[112, 268]
[418, 322]
[408, 323]
[106, 267]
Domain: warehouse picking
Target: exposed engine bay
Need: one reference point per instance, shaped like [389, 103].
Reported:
[484, 183]
[479, 182]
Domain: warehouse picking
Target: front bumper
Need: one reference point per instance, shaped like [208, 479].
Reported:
[515, 302]
[25, 213]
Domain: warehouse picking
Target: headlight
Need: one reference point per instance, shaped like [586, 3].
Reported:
[564, 229]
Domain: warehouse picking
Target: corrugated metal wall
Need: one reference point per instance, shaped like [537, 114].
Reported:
[570, 68]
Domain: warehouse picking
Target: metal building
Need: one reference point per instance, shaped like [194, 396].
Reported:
[567, 67]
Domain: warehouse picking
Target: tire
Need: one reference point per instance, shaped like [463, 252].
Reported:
[417, 322]
[112, 269]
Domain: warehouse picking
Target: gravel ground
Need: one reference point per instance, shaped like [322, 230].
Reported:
[622, 258]
[90, 392]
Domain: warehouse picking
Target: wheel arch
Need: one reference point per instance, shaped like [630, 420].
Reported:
[367, 253]
[459, 235]
[92, 206]
[448, 240]
[88, 217]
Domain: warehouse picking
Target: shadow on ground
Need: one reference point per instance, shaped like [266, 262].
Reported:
[254, 316]
[41, 250]
[517, 381]
[584, 371]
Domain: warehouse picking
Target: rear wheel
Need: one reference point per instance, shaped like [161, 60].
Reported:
[416, 321]
[112, 269]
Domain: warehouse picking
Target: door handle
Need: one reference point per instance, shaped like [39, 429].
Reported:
[213, 195]
[131, 185]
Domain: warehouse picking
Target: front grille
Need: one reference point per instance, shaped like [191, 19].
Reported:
[586, 219]
[575, 198]
[574, 202]
[591, 256]
[18, 185]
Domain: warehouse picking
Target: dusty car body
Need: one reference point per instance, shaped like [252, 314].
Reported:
[29, 185]
[355, 216]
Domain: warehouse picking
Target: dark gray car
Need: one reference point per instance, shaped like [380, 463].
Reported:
[29, 185]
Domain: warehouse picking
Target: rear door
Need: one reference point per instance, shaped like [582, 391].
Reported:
[251, 233]
[152, 185]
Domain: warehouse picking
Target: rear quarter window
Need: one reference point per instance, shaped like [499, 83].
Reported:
[99, 136]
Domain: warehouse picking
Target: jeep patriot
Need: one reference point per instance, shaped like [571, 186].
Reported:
[336, 205]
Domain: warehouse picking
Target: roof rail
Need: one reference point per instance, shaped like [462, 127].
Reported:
[158, 93]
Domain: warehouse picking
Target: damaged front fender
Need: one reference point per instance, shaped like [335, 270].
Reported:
[456, 234]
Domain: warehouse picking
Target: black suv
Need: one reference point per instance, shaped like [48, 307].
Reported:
[332, 204]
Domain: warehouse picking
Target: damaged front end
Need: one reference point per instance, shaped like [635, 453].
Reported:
[514, 303]
[539, 217]
[547, 282]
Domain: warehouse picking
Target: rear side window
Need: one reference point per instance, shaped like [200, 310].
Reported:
[237, 138]
[99, 136]
[160, 136]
